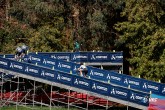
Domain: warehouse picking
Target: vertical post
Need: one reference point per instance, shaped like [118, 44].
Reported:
[10, 88]
[87, 101]
[17, 93]
[41, 102]
[34, 92]
[2, 90]
[68, 99]
[107, 105]
[122, 69]
[51, 97]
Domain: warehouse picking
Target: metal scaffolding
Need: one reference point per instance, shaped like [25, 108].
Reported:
[31, 93]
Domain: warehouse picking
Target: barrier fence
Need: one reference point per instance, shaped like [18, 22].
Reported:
[72, 80]
[101, 75]
[96, 73]
[113, 57]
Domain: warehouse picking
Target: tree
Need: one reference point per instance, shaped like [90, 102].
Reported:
[144, 34]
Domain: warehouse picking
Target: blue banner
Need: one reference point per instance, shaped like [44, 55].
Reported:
[16, 66]
[33, 70]
[116, 57]
[81, 83]
[99, 87]
[138, 97]
[115, 78]
[64, 66]
[96, 73]
[76, 81]
[48, 74]
[118, 92]
[79, 57]
[64, 78]
[132, 82]
[99, 57]
[49, 62]
[150, 86]
[103, 75]
[35, 58]
[61, 56]
[3, 63]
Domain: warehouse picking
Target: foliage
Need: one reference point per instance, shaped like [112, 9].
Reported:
[54, 25]
[143, 33]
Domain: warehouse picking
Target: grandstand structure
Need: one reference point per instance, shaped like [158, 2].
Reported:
[51, 79]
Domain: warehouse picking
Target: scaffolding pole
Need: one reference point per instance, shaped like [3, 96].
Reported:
[68, 99]
[51, 97]
[17, 93]
[34, 92]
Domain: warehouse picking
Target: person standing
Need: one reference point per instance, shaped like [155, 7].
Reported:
[77, 46]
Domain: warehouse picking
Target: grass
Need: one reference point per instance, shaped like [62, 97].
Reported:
[34, 108]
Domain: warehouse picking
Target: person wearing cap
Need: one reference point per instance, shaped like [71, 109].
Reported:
[83, 70]
[24, 49]
[21, 52]
[18, 53]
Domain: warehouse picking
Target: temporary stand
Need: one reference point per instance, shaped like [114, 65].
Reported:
[68, 98]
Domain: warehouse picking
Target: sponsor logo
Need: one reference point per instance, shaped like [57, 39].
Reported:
[64, 66]
[81, 82]
[153, 87]
[113, 57]
[63, 78]
[102, 88]
[53, 56]
[117, 92]
[132, 96]
[76, 81]
[94, 86]
[58, 77]
[42, 73]
[16, 66]
[59, 65]
[47, 74]
[163, 90]
[108, 76]
[101, 57]
[126, 81]
[27, 69]
[113, 91]
[136, 97]
[79, 56]
[91, 73]
[93, 57]
[145, 85]
[48, 62]
[11, 65]
[116, 78]
[44, 61]
[96, 73]
[63, 57]
[36, 59]
[145, 99]
[148, 86]
[3, 63]
[75, 68]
